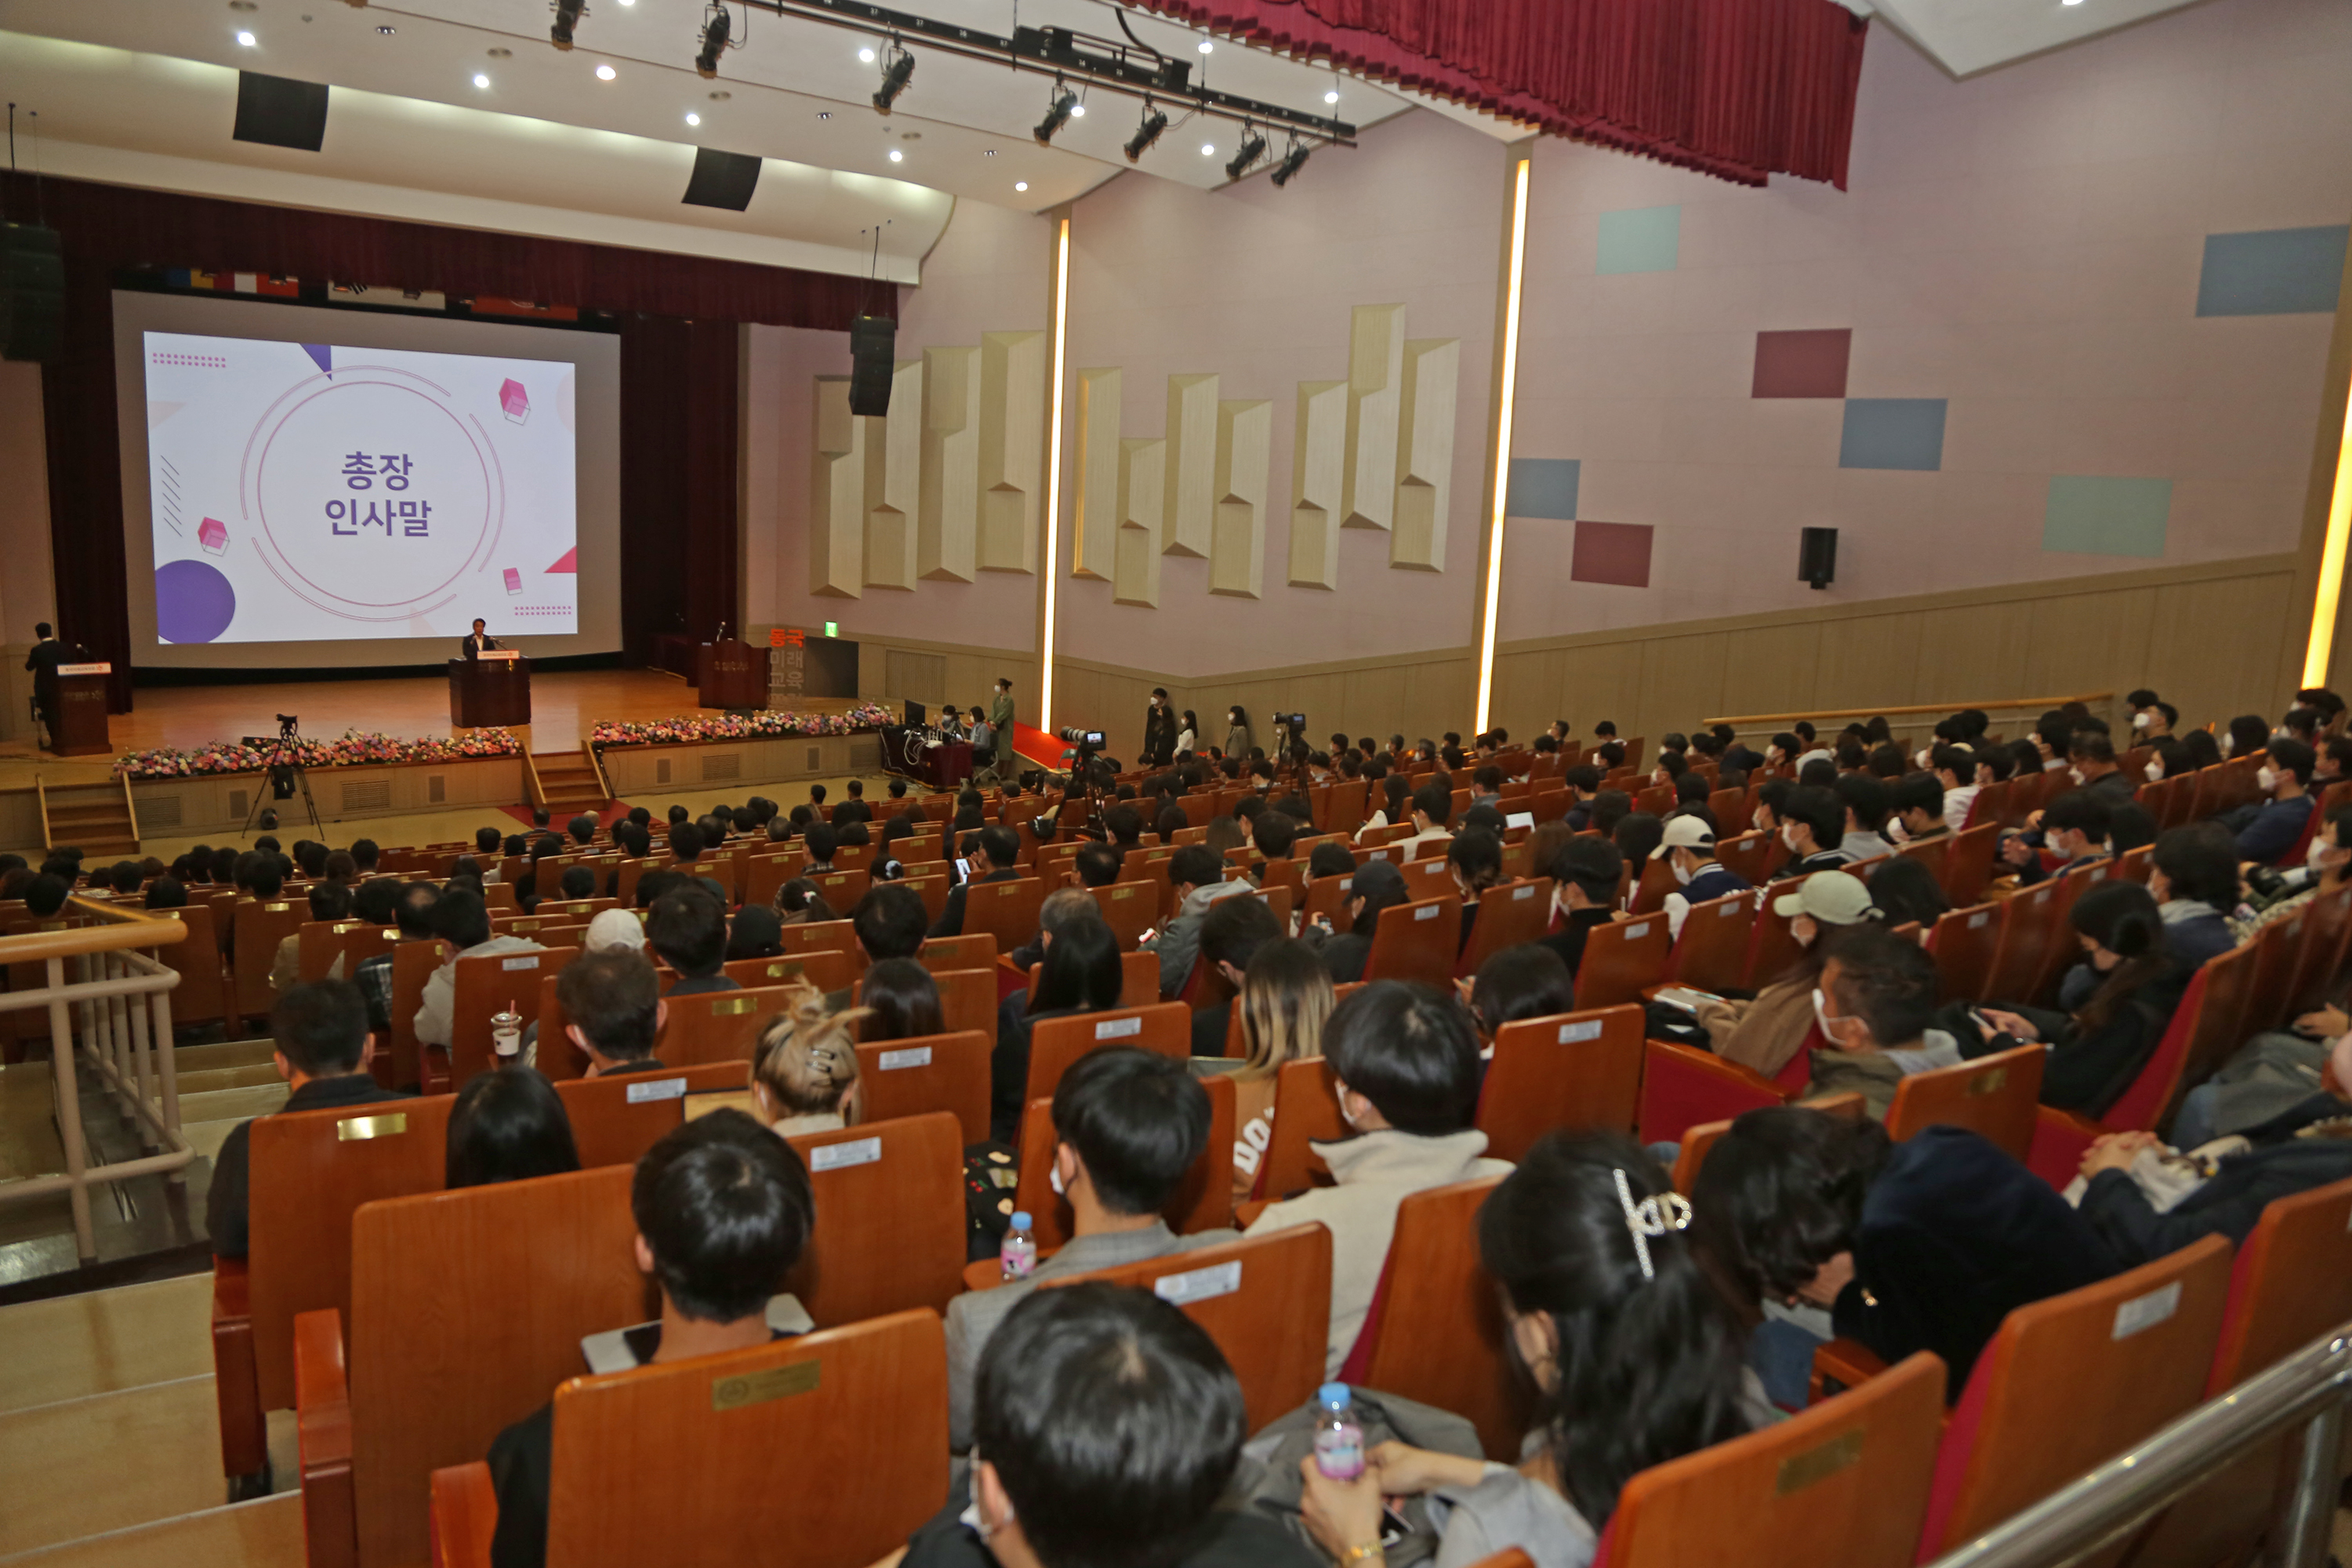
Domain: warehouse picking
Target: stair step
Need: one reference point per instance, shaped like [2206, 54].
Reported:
[232, 1104]
[204, 1080]
[221, 1054]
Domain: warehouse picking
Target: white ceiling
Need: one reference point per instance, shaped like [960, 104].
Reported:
[1968, 37]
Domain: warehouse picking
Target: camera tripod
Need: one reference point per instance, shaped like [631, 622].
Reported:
[285, 774]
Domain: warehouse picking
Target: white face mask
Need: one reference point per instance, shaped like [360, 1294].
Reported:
[1055, 1177]
[1804, 930]
[2228, 741]
[1788, 837]
[2075, 773]
[1919, 757]
[1821, 1015]
[1762, 820]
[1897, 831]
[2316, 857]
[2155, 772]
[1682, 875]
[2142, 720]
[2266, 780]
[1340, 1093]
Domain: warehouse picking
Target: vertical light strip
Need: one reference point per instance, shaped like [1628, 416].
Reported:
[1502, 446]
[2321, 646]
[1054, 480]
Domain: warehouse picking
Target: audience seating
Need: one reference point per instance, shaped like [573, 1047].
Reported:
[616, 1120]
[324, 942]
[826, 970]
[934, 1072]
[1417, 941]
[889, 1218]
[859, 1412]
[973, 950]
[1005, 910]
[259, 928]
[822, 936]
[1435, 1329]
[1967, 862]
[1621, 960]
[1129, 908]
[1713, 948]
[1996, 1096]
[1306, 1112]
[1683, 1087]
[202, 997]
[1698, 1141]
[2029, 931]
[1773, 949]
[1964, 942]
[1205, 1202]
[487, 984]
[1572, 1069]
[1055, 1043]
[1514, 913]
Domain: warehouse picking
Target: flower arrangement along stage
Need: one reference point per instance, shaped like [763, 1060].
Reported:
[765, 724]
[352, 749]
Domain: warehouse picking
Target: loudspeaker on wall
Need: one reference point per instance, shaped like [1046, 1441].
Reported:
[723, 179]
[1817, 557]
[279, 111]
[873, 340]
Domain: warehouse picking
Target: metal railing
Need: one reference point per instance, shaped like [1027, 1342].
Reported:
[113, 1017]
[2310, 1388]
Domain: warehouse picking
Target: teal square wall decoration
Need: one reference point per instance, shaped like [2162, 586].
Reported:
[2095, 515]
[1640, 239]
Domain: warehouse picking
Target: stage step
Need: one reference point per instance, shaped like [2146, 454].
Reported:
[568, 783]
[94, 817]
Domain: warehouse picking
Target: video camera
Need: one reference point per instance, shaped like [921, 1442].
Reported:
[1288, 730]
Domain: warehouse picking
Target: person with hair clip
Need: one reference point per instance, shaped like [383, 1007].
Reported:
[1285, 998]
[2125, 990]
[507, 1126]
[805, 1073]
[1632, 1356]
[801, 901]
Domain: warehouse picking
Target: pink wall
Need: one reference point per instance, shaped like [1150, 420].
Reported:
[2025, 244]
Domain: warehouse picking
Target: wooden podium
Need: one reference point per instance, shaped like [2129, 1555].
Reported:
[77, 712]
[490, 691]
[731, 673]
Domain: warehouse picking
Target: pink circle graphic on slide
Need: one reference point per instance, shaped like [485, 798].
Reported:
[341, 561]
[194, 602]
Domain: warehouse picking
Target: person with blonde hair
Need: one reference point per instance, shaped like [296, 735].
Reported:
[805, 1073]
[1287, 994]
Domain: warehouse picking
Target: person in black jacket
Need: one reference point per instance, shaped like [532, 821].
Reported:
[995, 856]
[1378, 885]
[1922, 1245]
[2133, 986]
[1158, 731]
[1081, 973]
[1585, 876]
[479, 642]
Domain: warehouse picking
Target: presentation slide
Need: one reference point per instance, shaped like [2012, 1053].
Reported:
[316, 486]
[305, 491]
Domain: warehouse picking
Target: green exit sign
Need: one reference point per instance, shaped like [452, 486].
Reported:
[833, 629]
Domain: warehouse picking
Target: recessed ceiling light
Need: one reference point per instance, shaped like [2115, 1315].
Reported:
[1208, 149]
[605, 73]
[481, 80]
[386, 30]
[627, 3]
[243, 5]
[693, 119]
[990, 154]
[1207, 48]
[897, 156]
[245, 39]
[1332, 97]
[1020, 185]
[501, 53]
[721, 96]
[824, 115]
[865, 56]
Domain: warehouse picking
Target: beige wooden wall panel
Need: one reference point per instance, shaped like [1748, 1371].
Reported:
[1424, 453]
[1375, 400]
[947, 525]
[1319, 456]
[894, 481]
[1012, 448]
[1189, 491]
[837, 515]
[1094, 499]
[1142, 478]
[1237, 537]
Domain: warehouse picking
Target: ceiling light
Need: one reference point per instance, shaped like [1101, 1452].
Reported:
[501, 53]
[865, 56]
[1207, 48]
[897, 156]
[1077, 111]
[1020, 185]
[1057, 115]
[605, 73]
[824, 115]
[385, 31]
[1208, 149]
[1252, 148]
[1292, 162]
[1154, 122]
[895, 77]
[245, 39]
[567, 18]
[692, 118]
[1331, 96]
[481, 80]
[990, 154]
[714, 41]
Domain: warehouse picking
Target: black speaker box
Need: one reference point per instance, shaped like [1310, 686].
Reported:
[873, 340]
[32, 292]
[1817, 557]
[722, 180]
[279, 111]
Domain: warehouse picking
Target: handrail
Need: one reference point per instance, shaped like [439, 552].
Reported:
[534, 791]
[596, 766]
[1912, 710]
[124, 929]
[41, 798]
[130, 809]
[2312, 1386]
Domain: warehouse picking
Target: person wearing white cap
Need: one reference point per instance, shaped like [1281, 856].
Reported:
[1688, 849]
[1764, 1033]
[616, 929]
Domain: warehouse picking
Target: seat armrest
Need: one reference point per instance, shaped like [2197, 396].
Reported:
[1848, 1105]
[465, 1515]
[1683, 1088]
[982, 1274]
[1840, 1365]
[432, 1068]
[322, 1415]
[236, 1385]
[1245, 1212]
[2060, 1138]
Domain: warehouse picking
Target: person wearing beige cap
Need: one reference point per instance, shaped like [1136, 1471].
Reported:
[1766, 1033]
[1688, 848]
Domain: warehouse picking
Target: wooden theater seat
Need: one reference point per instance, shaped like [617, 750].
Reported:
[1514, 913]
[822, 936]
[1698, 1141]
[1683, 1087]
[1055, 1043]
[889, 1218]
[936, 1073]
[490, 983]
[322, 942]
[412, 963]
[1263, 1298]
[203, 995]
[1417, 941]
[1129, 908]
[826, 970]
[1963, 942]
[616, 1120]
[1622, 958]
[1138, 979]
[1306, 1112]
[260, 927]
[1006, 910]
[716, 1026]
[1435, 1329]
[1203, 1202]
[1996, 1096]
[973, 950]
[1712, 951]
[2071, 1382]
[859, 1414]
[2029, 931]
[1573, 1070]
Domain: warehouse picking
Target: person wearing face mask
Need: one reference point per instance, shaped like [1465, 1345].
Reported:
[2155, 722]
[1376, 886]
[1918, 803]
[1812, 821]
[1865, 803]
[2167, 758]
[1875, 1006]
[2092, 758]
[2075, 828]
[1407, 1063]
[1237, 732]
[2244, 735]
[2134, 986]
[1688, 849]
[2193, 875]
[1000, 720]
[1955, 769]
[2270, 830]
[1158, 731]
[1771, 795]
[1766, 1033]
[1585, 875]
[2327, 863]
[1127, 1125]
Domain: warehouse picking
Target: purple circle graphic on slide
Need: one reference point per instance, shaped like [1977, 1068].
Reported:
[193, 603]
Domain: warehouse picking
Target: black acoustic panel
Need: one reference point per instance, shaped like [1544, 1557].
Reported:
[872, 342]
[722, 180]
[1817, 557]
[32, 292]
[279, 111]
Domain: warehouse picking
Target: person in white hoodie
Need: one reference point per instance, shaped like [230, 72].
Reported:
[1407, 1062]
[1196, 875]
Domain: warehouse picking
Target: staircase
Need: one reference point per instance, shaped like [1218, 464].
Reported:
[96, 817]
[567, 782]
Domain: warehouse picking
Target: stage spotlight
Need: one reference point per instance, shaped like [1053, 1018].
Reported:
[1057, 116]
[1292, 162]
[1252, 148]
[895, 77]
[1154, 122]
[567, 18]
[714, 41]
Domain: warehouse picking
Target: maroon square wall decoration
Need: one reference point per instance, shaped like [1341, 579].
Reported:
[1801, 364]
[1613, 553]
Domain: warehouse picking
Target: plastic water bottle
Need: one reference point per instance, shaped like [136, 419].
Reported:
[1338, 1436]
[1019, 1253]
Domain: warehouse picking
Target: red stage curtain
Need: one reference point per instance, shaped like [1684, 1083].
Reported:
[678, 560]
[1738, 89]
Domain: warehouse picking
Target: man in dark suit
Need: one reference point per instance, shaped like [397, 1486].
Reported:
[480, 643]
[46, 655]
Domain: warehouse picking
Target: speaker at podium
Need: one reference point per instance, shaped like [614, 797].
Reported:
[490, 688]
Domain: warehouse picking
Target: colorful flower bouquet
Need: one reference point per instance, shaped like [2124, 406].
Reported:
[767, 724]
[352, 749]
